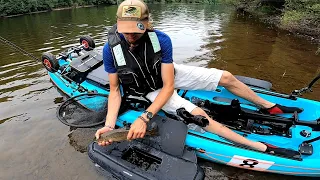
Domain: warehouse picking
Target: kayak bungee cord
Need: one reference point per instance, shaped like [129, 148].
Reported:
[2, 39]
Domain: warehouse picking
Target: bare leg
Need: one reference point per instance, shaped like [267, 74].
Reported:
[238, 88]
[225, 132]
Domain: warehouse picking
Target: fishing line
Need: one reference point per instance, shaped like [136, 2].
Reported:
[66, 37]
[11, 44]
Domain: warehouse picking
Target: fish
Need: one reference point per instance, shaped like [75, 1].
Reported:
[118, 135]
[131, 10]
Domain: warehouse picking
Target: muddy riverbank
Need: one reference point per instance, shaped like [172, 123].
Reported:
[302, 21]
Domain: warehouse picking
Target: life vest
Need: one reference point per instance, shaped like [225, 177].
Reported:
[139, 71]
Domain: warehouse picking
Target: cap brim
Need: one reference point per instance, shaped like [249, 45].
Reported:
[131, 26]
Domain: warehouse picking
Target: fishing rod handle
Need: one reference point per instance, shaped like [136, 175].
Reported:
[313, 81]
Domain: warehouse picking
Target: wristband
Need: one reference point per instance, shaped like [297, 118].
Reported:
[109, 127]
[143, 119]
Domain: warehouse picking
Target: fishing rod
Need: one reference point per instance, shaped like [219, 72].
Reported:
[24, 52]
[299, 92]
[61, 56]
[2, 39]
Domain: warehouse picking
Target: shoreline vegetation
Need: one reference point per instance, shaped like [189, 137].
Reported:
[54, 9]
[300, 17]
[13, 8]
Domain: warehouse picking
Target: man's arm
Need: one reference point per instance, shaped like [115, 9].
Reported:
[114, 100]
[167, 73]
[138, 128]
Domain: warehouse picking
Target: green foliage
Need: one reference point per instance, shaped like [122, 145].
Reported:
[301, 12]
[13, 7]
[293, 13]
[293, 17]
[229, 1]
[315, 8]
[183, 1]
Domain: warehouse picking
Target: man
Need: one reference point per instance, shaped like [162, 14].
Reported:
[140, 59]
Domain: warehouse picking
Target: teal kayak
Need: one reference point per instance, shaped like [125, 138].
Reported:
[299, 132]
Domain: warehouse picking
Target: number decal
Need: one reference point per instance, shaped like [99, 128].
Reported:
[250, 163]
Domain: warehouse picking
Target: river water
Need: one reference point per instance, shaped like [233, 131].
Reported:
[35, 145]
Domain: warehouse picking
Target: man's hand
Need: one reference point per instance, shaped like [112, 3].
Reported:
[101, 131]
[137, 129]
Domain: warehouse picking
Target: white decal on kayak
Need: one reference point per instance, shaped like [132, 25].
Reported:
[118, 53]
[250, 163]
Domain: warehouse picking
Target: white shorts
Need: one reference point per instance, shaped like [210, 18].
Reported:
[189, 78]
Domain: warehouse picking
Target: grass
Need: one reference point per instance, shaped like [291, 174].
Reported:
[293, 17]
